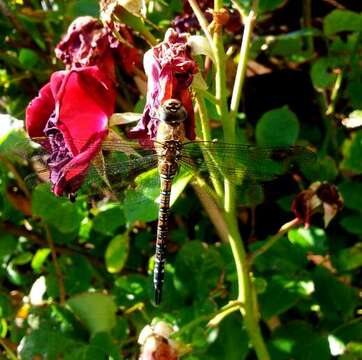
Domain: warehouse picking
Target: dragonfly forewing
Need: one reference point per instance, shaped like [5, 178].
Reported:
[240, 163]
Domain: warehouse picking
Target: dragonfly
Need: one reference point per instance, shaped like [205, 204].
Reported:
[171, 152]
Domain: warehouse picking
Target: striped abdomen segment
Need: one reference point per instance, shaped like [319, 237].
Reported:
[162, 235]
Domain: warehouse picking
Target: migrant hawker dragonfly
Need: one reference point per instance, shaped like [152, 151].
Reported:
[170, 153]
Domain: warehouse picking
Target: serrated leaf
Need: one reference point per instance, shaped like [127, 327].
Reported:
[95, 310]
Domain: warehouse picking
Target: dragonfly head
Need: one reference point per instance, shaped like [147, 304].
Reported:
[172, 112]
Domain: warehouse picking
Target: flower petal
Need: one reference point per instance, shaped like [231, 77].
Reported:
[170, 70]
[85, 102]
[38, 112]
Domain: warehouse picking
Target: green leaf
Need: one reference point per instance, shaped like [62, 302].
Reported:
[297, 340]
[232, 341]
[282, 257]
[203, 263]
[327, 169]
[39, 259]
[22, 258]
[117, 253]
[352, 223]
[322, 73]
[45, 343]
[131, 289]
[56, 211]
[349, 259]
[351, 192]
[311, 239]
[342, 20]
[269, 5]
[83, 7]
[8, 246]
[6, 308]
[28, 58]
[95, 310]
[141, 203]
[277, 127]
[280, 295]
[109, 219]
[105, 342]
[352, 152]
[337, 300]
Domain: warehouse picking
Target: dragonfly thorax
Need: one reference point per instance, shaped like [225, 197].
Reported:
[170, 151]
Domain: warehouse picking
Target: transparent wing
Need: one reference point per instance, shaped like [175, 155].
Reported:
[240, 162]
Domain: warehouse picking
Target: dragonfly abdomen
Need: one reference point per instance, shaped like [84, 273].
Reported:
[162, 232]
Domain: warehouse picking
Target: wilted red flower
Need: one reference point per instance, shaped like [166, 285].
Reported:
[69, 118]
[319, 197]
[87, 43]
[170, 69]
[157, 344]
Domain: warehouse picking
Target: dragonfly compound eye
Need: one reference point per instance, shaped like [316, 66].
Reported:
[172, 111]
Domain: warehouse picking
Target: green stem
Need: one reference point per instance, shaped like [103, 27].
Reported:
[225, 311]
[249, 22]
[202, 21]
[271, 241]
[307, 22]
[206, 136]
[245, 285]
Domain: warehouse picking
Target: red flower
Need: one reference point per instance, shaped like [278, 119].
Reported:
[170, 69]
[69, 118]
[318, 198]
[87, 42]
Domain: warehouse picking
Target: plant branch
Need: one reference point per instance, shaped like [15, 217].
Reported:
[249, 22]
[224, 312]
[203, 22]
[246, 293]
[37, 239]
[206, 136]
[18, 178]
[58, 271]
[212, 210]
[271, 241]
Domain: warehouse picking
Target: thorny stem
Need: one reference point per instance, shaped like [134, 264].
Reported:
[271, 241]
[58, 271]
[246, 288]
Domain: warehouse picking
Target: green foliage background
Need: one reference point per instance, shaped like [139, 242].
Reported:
[308, 78]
